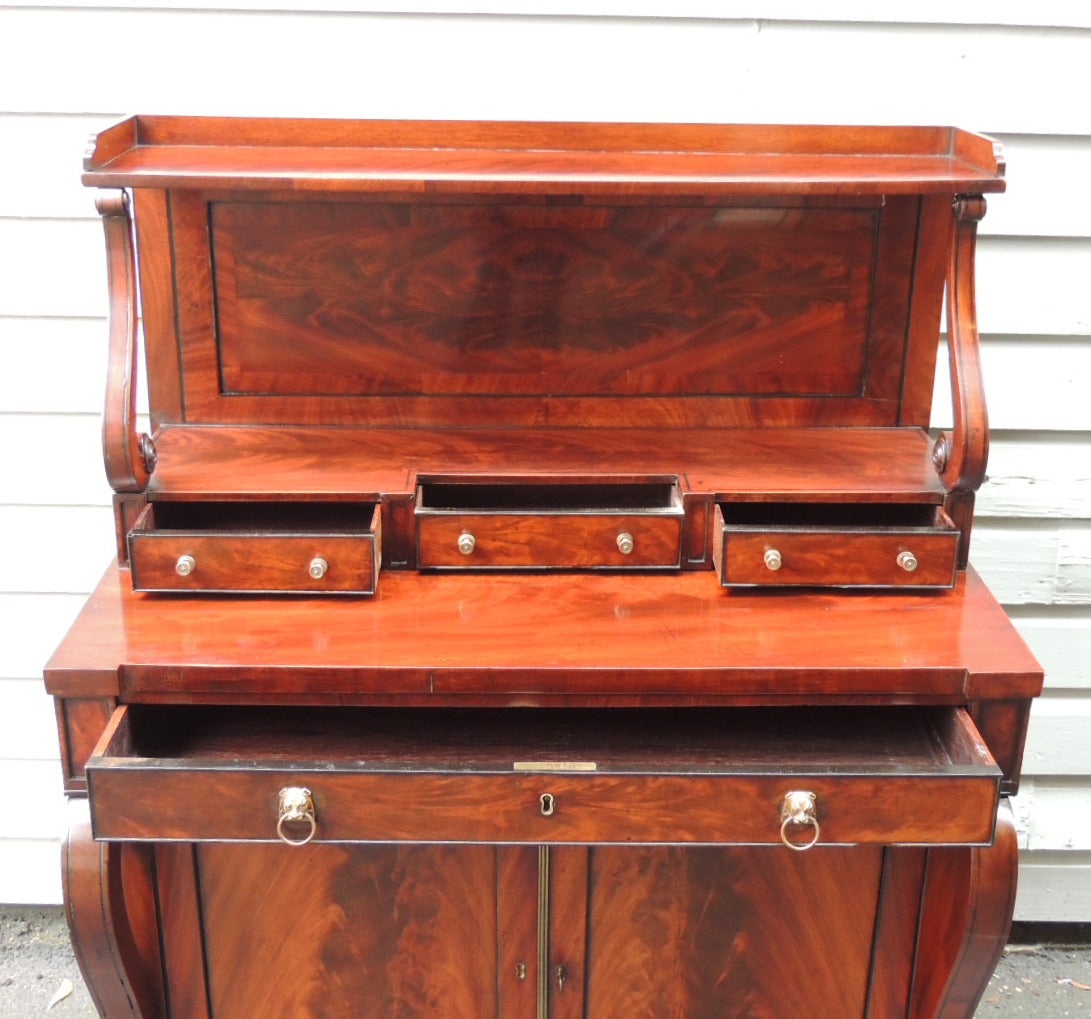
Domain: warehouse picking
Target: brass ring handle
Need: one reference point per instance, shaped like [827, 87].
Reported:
[798, 808]
[296, 806]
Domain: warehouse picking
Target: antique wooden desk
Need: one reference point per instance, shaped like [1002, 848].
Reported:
[539, 594]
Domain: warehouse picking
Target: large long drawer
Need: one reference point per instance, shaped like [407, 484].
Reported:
[706, 776]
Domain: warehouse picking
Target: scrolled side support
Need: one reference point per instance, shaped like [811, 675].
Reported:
[110, 906]
[961, 455]
[966, 913]
[129, 456]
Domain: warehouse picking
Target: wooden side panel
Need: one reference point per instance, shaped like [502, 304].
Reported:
[896, 926]
[517, 882]
[349, 932]
[730, 933]
[80, 722]
[180, 930]
[156, 267]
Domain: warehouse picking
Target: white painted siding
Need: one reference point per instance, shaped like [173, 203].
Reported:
[1013, 69]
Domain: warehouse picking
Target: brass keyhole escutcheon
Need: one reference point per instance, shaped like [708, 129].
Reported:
[548, 804]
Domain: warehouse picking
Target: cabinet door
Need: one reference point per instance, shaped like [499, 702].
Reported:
[349, 932]
[677, 933]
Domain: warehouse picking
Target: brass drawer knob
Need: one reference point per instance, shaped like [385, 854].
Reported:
[625, 543]
[907, 561]
[185, 566]
[466, 542]
[296, 824]
[773, 560]
[317, 567]
[798, 810]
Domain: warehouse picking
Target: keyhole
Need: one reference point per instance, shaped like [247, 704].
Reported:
[548, 804]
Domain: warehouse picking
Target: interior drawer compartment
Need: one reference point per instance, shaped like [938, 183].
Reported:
[683, 776]
[835, 545]
[256, 547]
[548, 524]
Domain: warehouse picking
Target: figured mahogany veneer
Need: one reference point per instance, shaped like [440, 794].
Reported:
[569, 387]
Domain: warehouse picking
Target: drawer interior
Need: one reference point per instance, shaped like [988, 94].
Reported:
[284, 518]
[835, 516]
[921, 740]
[537, 496]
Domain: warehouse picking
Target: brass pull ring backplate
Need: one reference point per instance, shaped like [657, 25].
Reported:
[798, 808]
[296, 807]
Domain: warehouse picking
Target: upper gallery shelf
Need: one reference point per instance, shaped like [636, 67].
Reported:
[709, 161]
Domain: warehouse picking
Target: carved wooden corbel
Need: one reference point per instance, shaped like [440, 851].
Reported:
[962, 454]
[129, 456]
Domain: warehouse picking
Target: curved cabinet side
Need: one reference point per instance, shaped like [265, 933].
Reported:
[969, 897]
[109, 902]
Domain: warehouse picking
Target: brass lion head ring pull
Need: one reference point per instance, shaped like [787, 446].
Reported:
[296, 814]
[798, 810]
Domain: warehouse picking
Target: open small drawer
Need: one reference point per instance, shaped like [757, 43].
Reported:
[835, 545]
[256, 547]
[548, 524]
[802, 776]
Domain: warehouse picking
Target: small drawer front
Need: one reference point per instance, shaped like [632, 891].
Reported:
[291, 551]
[857, 554]
[549, 524]
[708, 777]
[558, 540]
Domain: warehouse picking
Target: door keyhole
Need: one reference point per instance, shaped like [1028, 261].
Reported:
[548, 804]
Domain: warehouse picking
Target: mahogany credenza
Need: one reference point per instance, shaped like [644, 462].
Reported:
[539, 593]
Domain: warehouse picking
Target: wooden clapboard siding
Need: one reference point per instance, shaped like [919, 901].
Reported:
[1012, 69]
[759, 68]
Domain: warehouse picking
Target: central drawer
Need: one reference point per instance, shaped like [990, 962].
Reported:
[549, 524]
[677, 776]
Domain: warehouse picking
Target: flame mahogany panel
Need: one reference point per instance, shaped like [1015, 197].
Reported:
[393, 312]
[403, 299]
